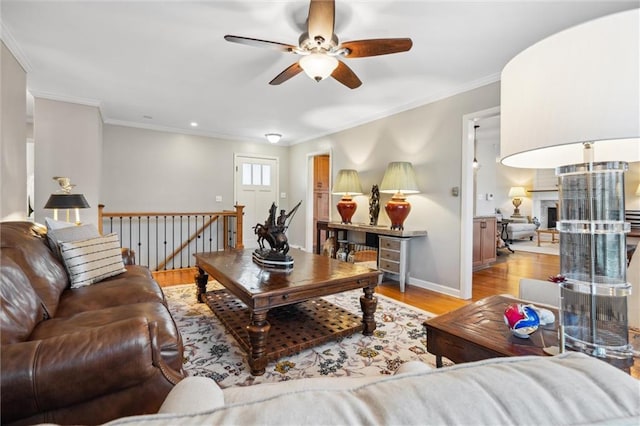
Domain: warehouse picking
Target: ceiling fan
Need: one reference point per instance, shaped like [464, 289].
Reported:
[320, 49]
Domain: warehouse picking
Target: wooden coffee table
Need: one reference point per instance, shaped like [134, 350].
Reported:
[273, 313]
[477, 331]
[551, 231]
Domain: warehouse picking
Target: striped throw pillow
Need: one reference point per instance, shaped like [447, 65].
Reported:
[92, 260]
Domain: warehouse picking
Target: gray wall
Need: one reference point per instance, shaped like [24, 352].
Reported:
[147, 170]
[13, 133]
[430, 137]
[68, 142]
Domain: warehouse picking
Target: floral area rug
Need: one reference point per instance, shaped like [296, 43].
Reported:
[213, 352]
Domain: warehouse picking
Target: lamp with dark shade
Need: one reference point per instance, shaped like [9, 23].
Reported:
[347, 184]
[570, 102]
[399, 179]
[66, 201]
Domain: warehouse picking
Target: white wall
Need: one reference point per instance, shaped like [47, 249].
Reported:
[488, 148]
[430, 137]
[147, 170]
[68, 142]
[13, 148]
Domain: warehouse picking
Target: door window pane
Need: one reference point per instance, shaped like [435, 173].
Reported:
[256, 174]
[266, 175]
[246, 174]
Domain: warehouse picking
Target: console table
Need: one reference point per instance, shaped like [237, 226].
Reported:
[392, 246]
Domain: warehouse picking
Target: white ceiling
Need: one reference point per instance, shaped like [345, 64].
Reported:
[164, 64]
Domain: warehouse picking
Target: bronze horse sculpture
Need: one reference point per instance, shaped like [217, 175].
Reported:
[273, 230]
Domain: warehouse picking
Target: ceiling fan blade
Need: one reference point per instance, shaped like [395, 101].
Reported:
[260, 43]
[346, 76]
[285, 75]
[321, 19]
[375, 47]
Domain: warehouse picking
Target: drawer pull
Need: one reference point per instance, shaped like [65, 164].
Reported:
[285, 296]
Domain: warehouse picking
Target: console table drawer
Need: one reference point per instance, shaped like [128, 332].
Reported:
[388, 266]
[388, 243]
[390, 255]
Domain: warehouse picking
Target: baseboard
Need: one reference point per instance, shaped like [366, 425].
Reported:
[427, 285]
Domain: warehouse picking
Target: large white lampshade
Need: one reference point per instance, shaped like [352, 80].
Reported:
[579, 85]
[572, 102]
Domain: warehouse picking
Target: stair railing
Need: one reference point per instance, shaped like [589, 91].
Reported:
[168, 240]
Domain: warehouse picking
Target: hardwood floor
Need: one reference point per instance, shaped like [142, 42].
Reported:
[500, 278]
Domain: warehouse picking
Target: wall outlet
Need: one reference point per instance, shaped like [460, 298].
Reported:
[218, 198]
[283, 195]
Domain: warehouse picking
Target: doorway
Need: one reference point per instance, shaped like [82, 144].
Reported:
[321, 195]
[256, 187]
[318, 196]
[468, 197]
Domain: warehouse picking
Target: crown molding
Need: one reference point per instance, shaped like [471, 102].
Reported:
[492, 78]
[65, 98]
[168, 129]
[14, 48]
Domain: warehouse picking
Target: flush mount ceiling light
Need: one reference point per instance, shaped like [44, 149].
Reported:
[273, 137]
[193, 124]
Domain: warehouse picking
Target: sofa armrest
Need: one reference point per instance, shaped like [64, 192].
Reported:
[192, 395]
[61, 371]
[128, 256]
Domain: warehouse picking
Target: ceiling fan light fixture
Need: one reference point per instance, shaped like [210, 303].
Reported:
[318, 66]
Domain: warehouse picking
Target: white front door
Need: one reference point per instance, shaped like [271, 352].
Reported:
[256, 187]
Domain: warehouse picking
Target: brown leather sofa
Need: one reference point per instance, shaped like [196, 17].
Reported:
[85, 355]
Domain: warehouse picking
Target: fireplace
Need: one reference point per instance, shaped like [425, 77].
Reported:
[552, 217]
[548, 211]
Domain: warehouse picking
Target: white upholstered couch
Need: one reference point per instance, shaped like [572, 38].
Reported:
[520, 228]
[570, 388]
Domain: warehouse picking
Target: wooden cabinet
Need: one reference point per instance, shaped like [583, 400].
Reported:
[321, 206]
[321, 193]
[321, 173]
[484, 241]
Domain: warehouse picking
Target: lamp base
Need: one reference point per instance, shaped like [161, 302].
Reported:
[397, 209]
[516, 207]
[346, 207]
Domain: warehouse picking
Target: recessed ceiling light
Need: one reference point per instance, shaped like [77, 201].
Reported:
[273, 137]
[148, 117]
[194, 124]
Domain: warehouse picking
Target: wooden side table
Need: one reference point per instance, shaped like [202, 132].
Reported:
[477, 331]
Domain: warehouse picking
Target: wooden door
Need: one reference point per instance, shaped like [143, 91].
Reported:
[256, 183]
[321, 193]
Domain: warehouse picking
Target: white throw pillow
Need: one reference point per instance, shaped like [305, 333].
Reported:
[57, 224]
[69, 234]
[92, 260]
